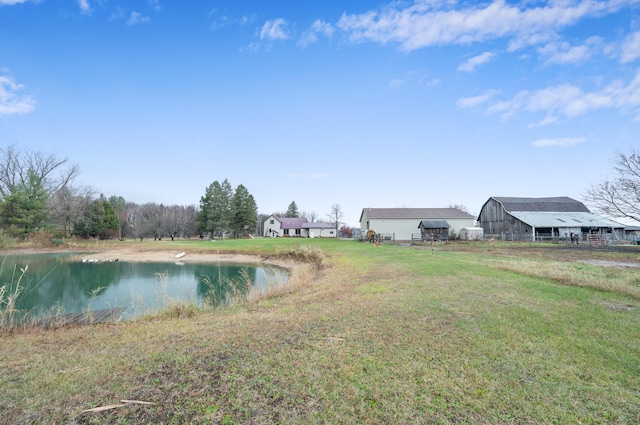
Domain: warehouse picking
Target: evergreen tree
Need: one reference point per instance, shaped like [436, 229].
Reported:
[292, 211]
[214, 216]
[244, 211]
[99, 220]
[24, 209]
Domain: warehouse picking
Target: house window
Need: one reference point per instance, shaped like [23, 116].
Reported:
[331, 232]
[286, 231]
[271, 221]
[297, 232]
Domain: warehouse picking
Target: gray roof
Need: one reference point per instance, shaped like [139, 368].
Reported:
[434, 224]
[318, 226]
[291, 223]
[415, 213]
[556, 204]
[565, 219]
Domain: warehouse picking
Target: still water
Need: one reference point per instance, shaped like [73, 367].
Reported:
[63, 283]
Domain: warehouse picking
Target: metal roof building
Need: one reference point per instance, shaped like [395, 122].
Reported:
[544, 218]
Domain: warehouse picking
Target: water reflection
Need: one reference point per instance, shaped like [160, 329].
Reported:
[62, 283]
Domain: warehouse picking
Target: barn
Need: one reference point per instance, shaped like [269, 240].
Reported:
[535, 219]
[402, 223]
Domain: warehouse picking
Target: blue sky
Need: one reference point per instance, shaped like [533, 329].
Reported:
[363, 104]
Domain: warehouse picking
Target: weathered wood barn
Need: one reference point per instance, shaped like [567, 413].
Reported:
[534, 219]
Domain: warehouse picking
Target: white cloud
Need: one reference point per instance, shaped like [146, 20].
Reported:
[155, 4]
[473, 101]
[274, 30]
[397, 82]
[84, 6]
[428, 23]
[567, 100]
[318, 27]
[631, 48]
[137, 18]
[11, 101]
[471, 64]
[558, 142]
[11, 2]
[564, 53]
[319, 175]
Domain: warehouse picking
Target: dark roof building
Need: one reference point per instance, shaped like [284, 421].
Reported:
[543, 218]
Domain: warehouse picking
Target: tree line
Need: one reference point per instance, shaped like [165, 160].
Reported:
[38, 193]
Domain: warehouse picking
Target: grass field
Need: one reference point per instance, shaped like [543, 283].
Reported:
[476, 333]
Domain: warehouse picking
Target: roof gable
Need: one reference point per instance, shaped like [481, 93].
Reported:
[291, 222]
[434, 224]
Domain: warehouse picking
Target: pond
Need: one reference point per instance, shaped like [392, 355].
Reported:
[63, 283]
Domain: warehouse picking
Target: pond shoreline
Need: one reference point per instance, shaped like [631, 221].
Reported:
[157, 256]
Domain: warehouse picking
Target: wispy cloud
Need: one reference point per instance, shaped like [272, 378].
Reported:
[431, 23]
[471, 64]
[563, 53]
[558, 142]
[84, 6]
[137, 18]
[220, 19]
[11, 100]
[11, 2]
[274, 29]
[474, 101]
[565, 100]
[318, 27]
[631, 48]
[319, 175]
[155, 5]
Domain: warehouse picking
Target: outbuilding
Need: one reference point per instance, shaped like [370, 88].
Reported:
[402, 223]
[434, 230]
[534, 219]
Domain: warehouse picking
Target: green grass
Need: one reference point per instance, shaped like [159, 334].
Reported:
[381, 335]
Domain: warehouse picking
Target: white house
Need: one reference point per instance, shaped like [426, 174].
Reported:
[297, 227]
[403, 222]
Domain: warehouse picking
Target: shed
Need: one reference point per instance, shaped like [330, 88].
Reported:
[437, 230]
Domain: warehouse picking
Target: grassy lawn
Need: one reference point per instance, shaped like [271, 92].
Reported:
[465, 333]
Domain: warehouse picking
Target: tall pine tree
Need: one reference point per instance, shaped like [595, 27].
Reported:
[292, 211]
[214, 216]
[244, 212]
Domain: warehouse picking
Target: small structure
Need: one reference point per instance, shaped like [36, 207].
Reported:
[471, 233]
[434, 230]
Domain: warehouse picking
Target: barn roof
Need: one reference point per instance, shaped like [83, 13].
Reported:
[565, 219]
[415, 213]
[434, 224]
[555, 204]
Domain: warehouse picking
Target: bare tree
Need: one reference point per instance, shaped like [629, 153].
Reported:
[460, 207]
[311, 216]
[19, 169]
[336, 215]
[620, 196]
[67, 205]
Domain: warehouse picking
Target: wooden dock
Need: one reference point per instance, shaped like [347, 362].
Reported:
[85, 318]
